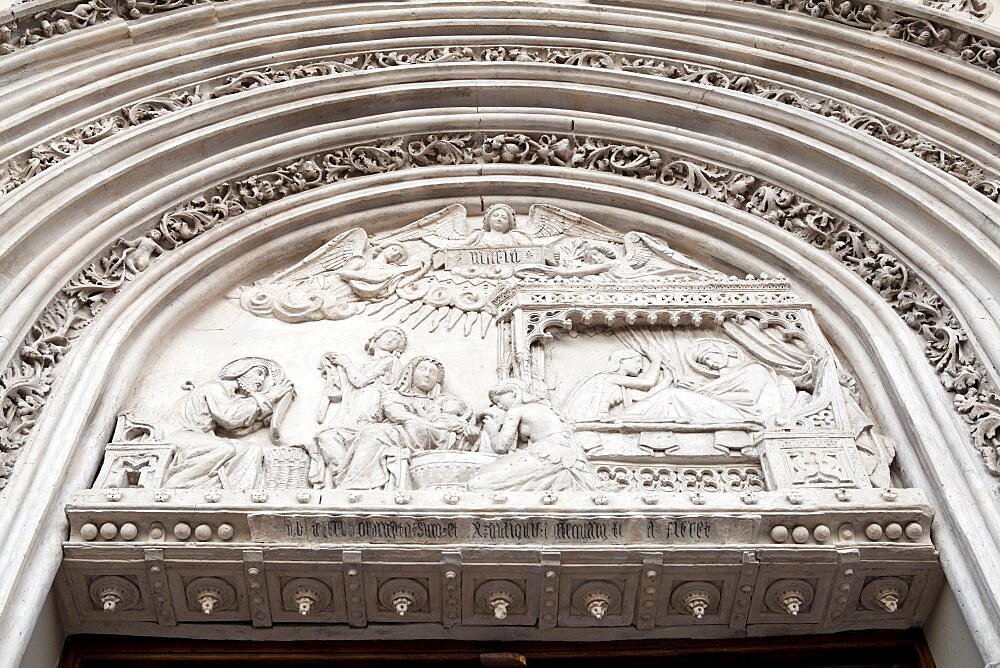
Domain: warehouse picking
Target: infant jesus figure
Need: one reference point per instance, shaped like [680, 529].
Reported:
[452, 424]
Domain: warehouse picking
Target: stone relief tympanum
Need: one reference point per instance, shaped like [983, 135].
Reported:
[501, 420]
[612, 350]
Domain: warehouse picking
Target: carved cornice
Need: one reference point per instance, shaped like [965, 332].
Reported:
[26, 382]
[16, 172]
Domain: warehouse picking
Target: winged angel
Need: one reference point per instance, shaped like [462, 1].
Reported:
[402, 274]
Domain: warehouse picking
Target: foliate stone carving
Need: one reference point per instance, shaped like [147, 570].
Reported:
[19, 170]
[210, 595]
[872, 16]
[113, 593]
[27, 31]
[27, 379]
[70, 16]
[545, 149]
[789, 596]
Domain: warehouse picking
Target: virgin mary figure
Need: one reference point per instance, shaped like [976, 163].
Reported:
[414, 418]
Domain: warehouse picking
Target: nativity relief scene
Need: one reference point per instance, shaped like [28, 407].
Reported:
[519, 418]
[616, 362]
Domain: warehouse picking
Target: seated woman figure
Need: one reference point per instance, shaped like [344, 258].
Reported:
[540, 451]
[412, 420]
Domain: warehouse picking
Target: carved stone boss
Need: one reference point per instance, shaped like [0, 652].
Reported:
[712, 473]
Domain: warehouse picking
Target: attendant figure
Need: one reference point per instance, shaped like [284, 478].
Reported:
[358, 389]
[538, 447]
[605, 394]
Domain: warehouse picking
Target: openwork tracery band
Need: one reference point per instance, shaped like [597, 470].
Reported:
[16, 172]
[26, 381]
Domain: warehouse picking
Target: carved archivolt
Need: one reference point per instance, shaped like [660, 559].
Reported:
[68, 17]
[18, 171]
[898, 22]
[27, 379]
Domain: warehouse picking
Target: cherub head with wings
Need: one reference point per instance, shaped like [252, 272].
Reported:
[499, 218]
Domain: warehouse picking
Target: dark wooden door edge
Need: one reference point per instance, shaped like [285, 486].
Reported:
[873, 648]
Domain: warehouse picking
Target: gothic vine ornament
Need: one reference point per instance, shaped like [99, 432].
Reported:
[26, 382]
[71, 16]
[17, 171]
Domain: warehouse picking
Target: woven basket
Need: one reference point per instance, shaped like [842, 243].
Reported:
[286, 467]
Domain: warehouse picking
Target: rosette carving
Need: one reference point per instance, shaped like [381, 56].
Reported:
[499, 598]
[789, 597]
[306, 596]
[403, 596]
[113, 593]
[210, 595]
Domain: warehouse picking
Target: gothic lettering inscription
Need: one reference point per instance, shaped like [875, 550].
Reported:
[493, 256]
[271, 528]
